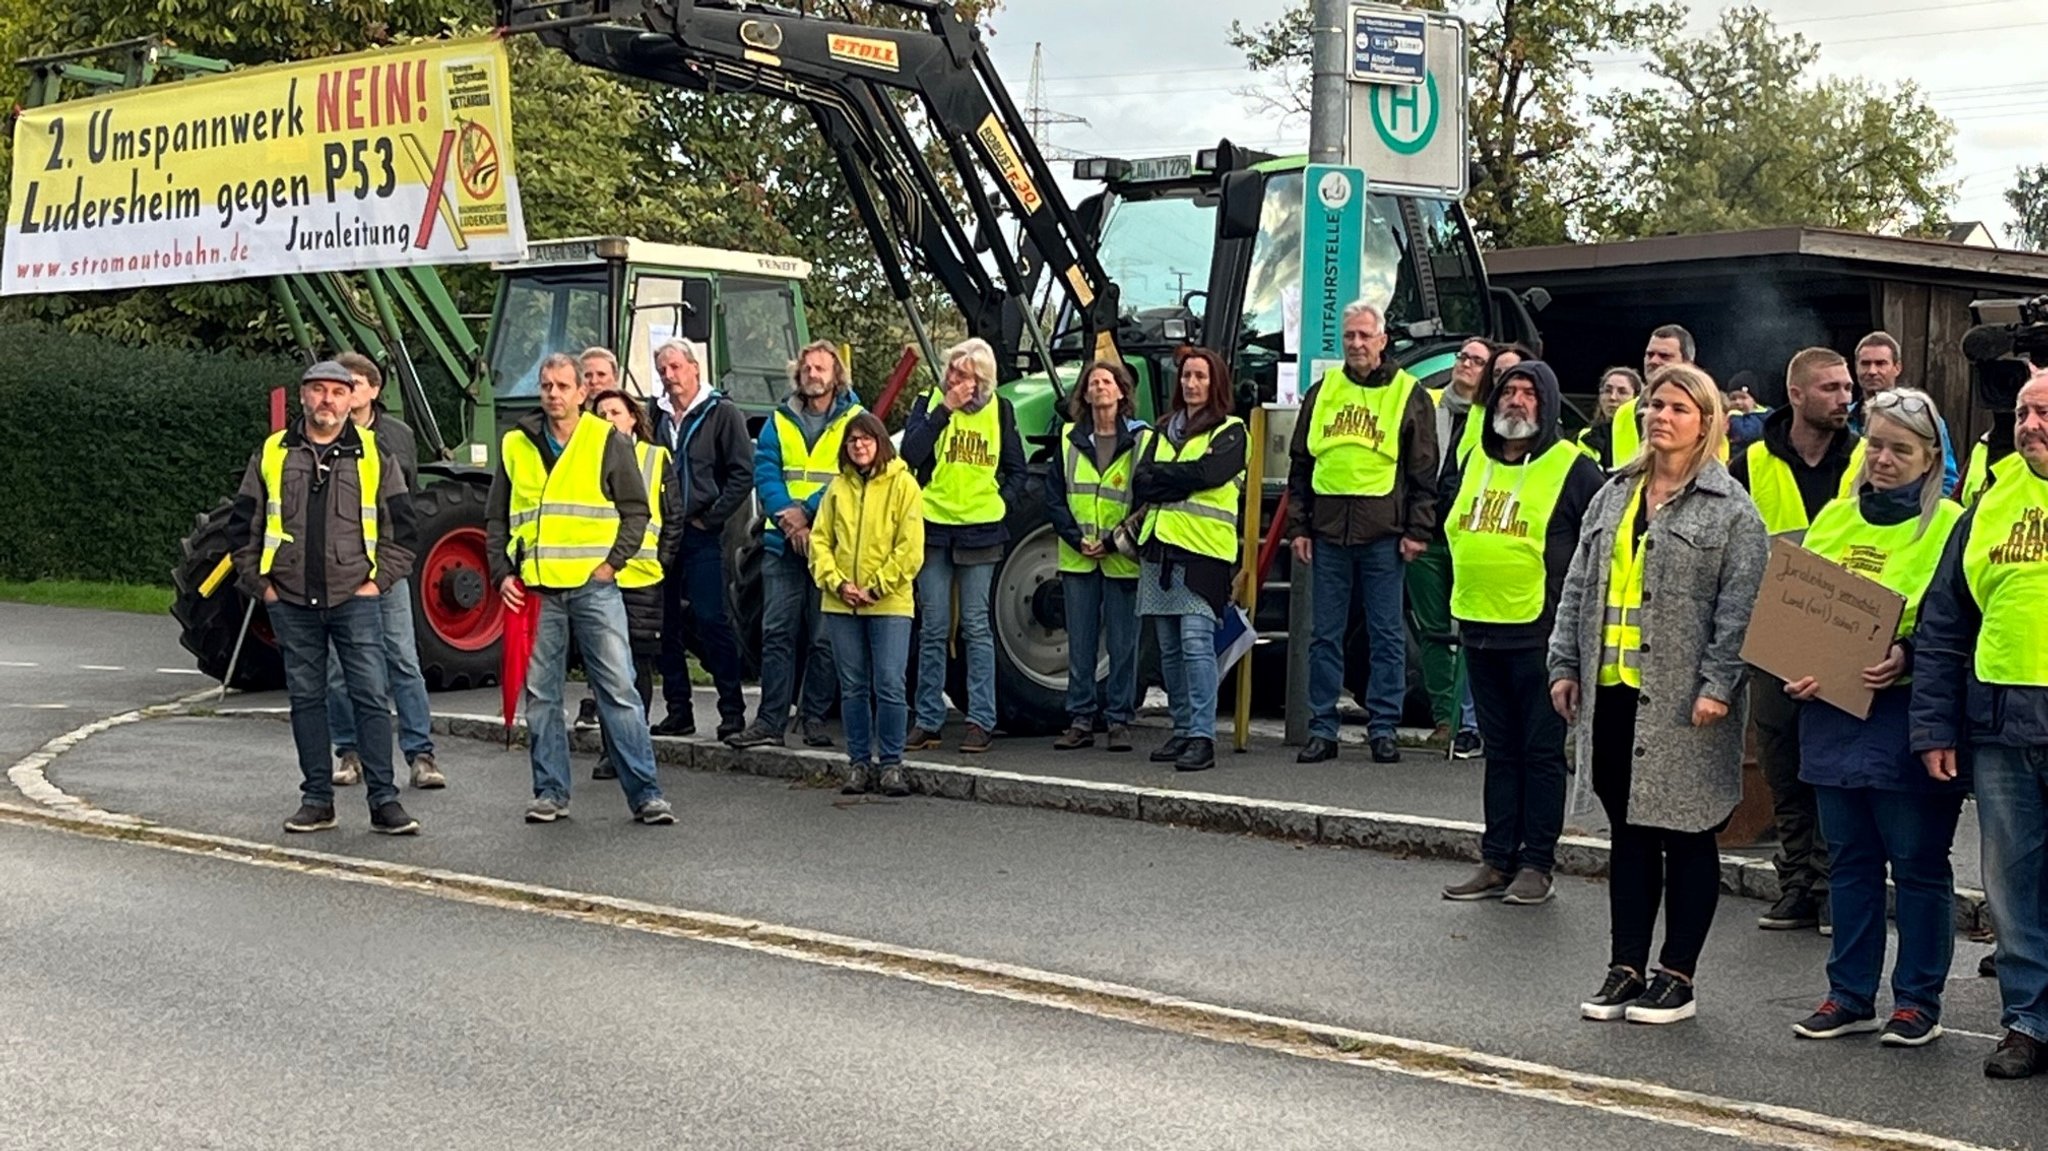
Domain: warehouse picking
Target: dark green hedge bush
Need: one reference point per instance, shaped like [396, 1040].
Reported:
[107, 452]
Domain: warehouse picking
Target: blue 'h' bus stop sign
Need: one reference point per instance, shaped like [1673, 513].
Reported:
[1332, 247]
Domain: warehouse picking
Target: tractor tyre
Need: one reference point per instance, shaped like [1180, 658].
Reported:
[208, 625]
[457, 615]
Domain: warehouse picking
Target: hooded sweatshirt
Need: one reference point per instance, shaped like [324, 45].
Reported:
[1817, 484]
[1561, 537]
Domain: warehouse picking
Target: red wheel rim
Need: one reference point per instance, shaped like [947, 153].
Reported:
[456, 559]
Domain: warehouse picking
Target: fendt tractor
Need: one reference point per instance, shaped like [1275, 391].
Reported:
[1204, 248]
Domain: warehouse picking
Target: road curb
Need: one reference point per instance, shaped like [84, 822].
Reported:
[1387, 832]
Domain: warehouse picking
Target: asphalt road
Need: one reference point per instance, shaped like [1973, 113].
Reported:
[153, 999]
[62, 667]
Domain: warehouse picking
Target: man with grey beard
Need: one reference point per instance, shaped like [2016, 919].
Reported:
[1512, 527]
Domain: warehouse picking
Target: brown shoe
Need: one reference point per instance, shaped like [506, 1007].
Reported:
[1488, 882]
[1077, 736]
[348, 770]
[426, 774]
[920, 740]
[978, 739]
[1120, 737]
[1530, 888]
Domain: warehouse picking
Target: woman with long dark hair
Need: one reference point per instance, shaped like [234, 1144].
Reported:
[640, 581]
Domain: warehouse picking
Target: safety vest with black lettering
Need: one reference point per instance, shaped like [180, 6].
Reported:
[963, 488]
[1775, 491]
[2005, 563]
[369, 475]
[1621, 633]
[1098, 501]
[1900, 556]
[806, 470]
[1205, 522]
[562, 526]
[644, 569]
[1355, 434]
[1497, 531]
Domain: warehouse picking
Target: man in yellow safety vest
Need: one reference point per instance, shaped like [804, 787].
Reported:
[567, 511]
[1980, 681]
[1668, 344]
[796, 455]
[1362, 503]
[1807, 456]
[323, 523]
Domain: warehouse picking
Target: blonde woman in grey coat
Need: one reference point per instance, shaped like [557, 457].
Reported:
[1646, 665]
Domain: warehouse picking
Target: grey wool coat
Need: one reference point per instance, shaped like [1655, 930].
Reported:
[1705, 561]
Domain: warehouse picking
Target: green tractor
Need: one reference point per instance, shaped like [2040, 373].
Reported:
[746, 310]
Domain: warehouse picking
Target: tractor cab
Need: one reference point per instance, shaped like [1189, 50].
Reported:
[742, 311]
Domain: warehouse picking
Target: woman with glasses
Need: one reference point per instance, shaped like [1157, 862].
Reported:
[1646, 664]
[1618, 385]
[1879, 809]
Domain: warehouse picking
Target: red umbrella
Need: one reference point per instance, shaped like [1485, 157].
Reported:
[521, 623]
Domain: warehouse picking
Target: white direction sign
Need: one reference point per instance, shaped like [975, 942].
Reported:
[1415, 138]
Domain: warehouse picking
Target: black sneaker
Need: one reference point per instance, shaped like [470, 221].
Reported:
[727, 728]
[1622, 988]
[310, 817]
[1827, 917]
[893, 783]
[815, 733]
[1987, 967]
[1468, 745]
[1198, 755]
[1667, 999]
[677, 723]
[854, 780]
[391, 819]
[1385, 749]
[1831, 1020]
[2018, 1057]
[1119, 737]
[604, 769]
[1910, 1027]
[1170, 750]
[586, 713]
[758, 735]
[1316, 750]
[1793, 911]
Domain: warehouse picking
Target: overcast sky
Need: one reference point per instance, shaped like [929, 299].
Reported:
[1154, 76]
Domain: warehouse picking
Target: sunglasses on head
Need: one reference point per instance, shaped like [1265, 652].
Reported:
[1884, 401]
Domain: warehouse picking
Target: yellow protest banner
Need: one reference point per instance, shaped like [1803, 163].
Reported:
[378, 159]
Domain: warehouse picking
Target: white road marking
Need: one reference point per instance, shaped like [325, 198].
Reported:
[41, 706]
[14, 663]
[100, 667]
[179, 671]
[1760, 1123]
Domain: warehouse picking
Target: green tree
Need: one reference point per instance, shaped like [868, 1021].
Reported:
[1529, 59]
[1739, 132]
[2028, 199]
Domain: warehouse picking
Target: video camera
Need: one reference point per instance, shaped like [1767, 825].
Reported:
[2010, 335]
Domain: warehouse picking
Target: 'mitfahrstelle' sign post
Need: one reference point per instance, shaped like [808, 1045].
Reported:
[1332, 245]
[379, 159]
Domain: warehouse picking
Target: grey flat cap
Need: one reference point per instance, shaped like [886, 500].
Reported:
[328, 371]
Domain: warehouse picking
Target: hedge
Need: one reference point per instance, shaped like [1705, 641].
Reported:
[107, 452]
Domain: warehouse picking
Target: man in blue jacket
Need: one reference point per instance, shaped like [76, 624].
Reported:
[795, 457]
[1980, 689]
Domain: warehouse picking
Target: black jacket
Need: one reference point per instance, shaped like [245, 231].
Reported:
[620, 481]
[1561, 538]
[1410, 509]
[1817, 484]
[712, 458]
[1083, 440]
[920, 454]
[1156, 481]
[1951, 709]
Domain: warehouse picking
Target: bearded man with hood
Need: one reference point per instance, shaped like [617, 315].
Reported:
[1512, 527]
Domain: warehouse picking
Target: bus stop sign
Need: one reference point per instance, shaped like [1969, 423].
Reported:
[1414, 137]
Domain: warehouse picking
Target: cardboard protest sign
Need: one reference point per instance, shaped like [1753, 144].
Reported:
[1815, 617]
[379, 159]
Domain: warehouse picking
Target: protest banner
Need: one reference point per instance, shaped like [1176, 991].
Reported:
[1815, 617]
[378, 159]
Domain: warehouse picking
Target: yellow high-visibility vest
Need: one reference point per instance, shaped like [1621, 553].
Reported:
[1355, 434]
[1776, 493]
[1497, 531]
[963, 489]
[1621, 634]
[1899, 556]
[806, 471]
[369, 474]
[1098, 501]
[1206, 522]
[562, 526]
[2005, 562]
[644, 569]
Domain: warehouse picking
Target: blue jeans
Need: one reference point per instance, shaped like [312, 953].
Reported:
[401, 671]
[596, 613]
[935, 598]
[693, 620]
[1187, 661]
[1911, 831]
[2012, 816]
[1370, 573]
[793, 639]
[873, 652]
[356, 631]
[1098, 605]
